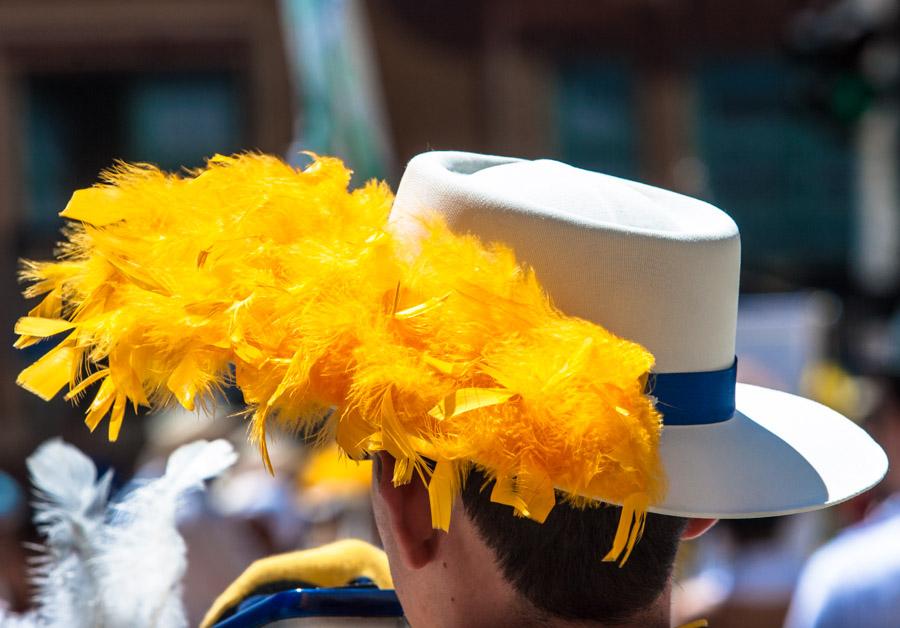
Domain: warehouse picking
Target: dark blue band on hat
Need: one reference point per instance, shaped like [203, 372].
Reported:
[694, 398]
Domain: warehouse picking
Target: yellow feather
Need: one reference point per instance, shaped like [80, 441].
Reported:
[183, 382]
[422, 308]
[536, 493]
[454, 369]
[353, 434]
[41, 327]
[115, 419]
[97, 206]
[504, 492]
[299, 290]
[468, 399]
[442, 490]
[49, 307]
[87, 381]
[45, 377]
[101, 404]
[630, 528]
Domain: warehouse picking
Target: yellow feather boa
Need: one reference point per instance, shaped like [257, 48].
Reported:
[300, 292]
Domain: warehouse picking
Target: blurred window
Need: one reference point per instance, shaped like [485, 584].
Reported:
[783, 175]
[595, 116]
[77, 125]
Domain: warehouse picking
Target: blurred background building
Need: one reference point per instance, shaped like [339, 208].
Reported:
[784, 113]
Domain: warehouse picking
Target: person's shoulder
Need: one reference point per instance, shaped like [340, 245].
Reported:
[854, 573]
[874, 540]
[861, 554]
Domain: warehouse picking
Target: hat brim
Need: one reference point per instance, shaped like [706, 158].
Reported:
[779, 454]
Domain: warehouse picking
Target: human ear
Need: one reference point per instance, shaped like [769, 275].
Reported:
[696, 527]
[409, 515]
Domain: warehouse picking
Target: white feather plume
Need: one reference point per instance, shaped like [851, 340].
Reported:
[12, 620]
[144, 558]
[69, 512]
[116, 564]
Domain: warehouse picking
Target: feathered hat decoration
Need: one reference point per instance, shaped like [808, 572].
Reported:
[442, 351]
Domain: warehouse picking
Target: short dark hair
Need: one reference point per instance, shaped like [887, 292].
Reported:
[557, 566]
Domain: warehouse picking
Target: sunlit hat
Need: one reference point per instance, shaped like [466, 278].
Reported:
[528, 319]
[660, 269]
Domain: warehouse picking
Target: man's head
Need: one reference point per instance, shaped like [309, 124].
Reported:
[493, 568]
[591, 348]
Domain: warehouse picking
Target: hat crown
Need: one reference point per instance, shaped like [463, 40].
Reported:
[598, 200]
[652, 266]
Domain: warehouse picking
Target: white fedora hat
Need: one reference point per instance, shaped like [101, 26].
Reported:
[660, 269]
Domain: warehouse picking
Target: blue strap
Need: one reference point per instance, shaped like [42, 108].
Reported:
[694, 398]
[350, 601]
